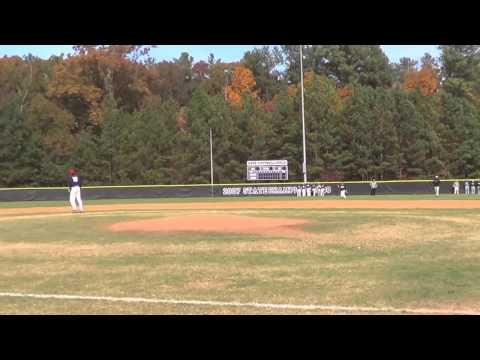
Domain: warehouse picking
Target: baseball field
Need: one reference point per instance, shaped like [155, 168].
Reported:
[383, 255]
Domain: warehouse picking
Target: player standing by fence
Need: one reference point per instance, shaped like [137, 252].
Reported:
[322, 190]
[467, 187]
[309, 190]
[343, 191]
[436, 185]
[456, 188]
[373, 187]
[74, 184]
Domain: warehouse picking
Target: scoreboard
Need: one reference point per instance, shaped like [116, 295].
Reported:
[267, 170]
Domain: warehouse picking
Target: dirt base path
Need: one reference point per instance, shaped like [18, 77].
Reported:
[273, 204]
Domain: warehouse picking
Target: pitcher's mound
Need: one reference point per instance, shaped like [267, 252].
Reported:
[215, 223]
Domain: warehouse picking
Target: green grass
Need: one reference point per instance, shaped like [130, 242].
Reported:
[399, 258]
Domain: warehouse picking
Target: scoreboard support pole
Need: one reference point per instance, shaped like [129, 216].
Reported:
[211, 162]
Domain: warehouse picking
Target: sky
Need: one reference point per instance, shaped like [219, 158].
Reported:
[227, 53]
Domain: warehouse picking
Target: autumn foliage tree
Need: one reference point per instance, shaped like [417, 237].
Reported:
[54, 124]
[81, 82]
[242, 82]
[123, 117]
[12, 71]
[425, 80]
[344, 92]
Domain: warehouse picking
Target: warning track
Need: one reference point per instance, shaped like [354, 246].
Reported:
[258, 204]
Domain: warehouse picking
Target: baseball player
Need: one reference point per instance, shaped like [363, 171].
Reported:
[472, 187]
[309, 190]
[314, 190]
[74, 184]
[467, 187]
[373, 187]
[304, 191]
[456, 188]
[436, 185]
[477, 184]
[299, 191]
[323, 189]
[343, 191]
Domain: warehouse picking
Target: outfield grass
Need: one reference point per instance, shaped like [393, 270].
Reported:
[395, 258]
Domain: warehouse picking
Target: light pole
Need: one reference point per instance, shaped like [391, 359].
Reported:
[211, 161]
[227, 73]
[304, 167]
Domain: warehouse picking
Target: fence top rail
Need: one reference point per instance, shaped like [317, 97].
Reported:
[233, 185]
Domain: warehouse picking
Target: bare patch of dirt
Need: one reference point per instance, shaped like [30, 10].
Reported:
[397, 235]
[459, 220]
[258, 245]
[216, 223]
[399, 232]
[7, 248]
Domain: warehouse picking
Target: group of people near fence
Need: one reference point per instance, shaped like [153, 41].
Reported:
[309, 190]
[471, 187]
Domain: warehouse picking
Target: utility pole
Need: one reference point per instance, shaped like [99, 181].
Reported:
[304, 167]
[211, 161]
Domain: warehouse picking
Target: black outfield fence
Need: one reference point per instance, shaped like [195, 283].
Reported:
[222, 190]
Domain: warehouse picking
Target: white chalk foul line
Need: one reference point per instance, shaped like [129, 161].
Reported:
[240, 304]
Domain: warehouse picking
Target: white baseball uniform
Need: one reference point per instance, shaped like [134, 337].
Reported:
[75, 193]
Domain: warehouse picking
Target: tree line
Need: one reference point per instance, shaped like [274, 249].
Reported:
[121, 117]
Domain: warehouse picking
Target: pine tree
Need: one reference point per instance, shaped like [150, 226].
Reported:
[205, 112]
[428, 132]
[20, 152]
[285, 139]
[322, 119]
[149, 157]
[412, 137]
[370, 142]
[460, 137]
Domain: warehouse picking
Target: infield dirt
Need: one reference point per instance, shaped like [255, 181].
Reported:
[270, 204]
[215, 223]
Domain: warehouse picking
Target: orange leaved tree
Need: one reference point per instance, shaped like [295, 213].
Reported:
[425, 80]
[242, 82]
